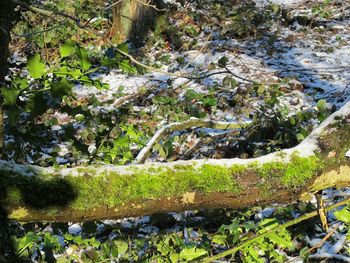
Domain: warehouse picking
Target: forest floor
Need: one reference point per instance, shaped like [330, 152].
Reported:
[276, 68]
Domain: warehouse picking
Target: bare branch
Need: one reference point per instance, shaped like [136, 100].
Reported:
[177, 126]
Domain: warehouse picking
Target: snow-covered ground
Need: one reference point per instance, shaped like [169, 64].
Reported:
[317, 56]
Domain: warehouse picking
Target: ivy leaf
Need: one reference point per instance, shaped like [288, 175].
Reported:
[84, 61]
[191, 253]
[300, 137]
[192, 94]
[35, 67]
[62, 88]
[220, 239]
[122, 246]
[67, 71]
[174, 257]
[127, 67]
[124, 47]
[13, 115]
[283, 241]
[322, 105]
[343, 215]
[223, 62]
[209, 102]
[67, 49]
[10, 96]
[121, 142]
[37, 104]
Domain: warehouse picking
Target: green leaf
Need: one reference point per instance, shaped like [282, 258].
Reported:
[253, 255]
[261, 90]
[62, 88]
[234, 83]
[122, 246]
[191, 253]
[284, 241]
[10, 96]
[84, 61]
[67, 49]
[220, 239]
[174, 257]
[209, 102]
[124, 47]
[35, 67]
[65, 71]
[122, 141]
[223, 62]
[343, 215]
[300, 137]
[193, 95]
[37, 104]
[126, 67]
[68, 237]
[226, 81]
[13, 114]
[322, 105]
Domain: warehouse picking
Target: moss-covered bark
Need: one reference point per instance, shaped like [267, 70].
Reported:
[32, 193]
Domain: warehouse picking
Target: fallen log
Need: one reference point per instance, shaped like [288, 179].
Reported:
[31, 193]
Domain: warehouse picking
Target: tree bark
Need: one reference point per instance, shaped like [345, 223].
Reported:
[6, 9]
[96, 192]
[6, 12]
[131, 20]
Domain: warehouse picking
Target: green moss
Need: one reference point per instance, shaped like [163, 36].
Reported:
[294, 173]
[89, 190]
[113, 189]
[337, 143]
[299, 170]
[14, 194]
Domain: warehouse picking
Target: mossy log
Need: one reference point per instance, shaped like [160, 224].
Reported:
[31, 193]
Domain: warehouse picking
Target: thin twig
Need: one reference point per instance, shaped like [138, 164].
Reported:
[132, 59]
[114, 4]
[148, 4]
[205, 141]
[330, 233]
[105, 138]
[37, 32]
[237, 76]
[200, 51]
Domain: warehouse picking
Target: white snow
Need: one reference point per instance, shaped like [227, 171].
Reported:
[75, 229]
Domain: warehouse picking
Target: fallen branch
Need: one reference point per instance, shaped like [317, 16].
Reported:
[329, 234]
[205, 141]
[31, 193]
[178, 126]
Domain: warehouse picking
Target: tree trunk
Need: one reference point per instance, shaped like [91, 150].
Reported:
[5, 27]
[6, 11]
[96, 192]
[132, 20]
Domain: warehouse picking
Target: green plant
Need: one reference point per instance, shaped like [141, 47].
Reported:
[322, 10]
